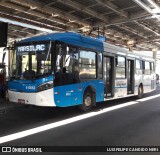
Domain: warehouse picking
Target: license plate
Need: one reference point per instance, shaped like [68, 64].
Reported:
[21, 101]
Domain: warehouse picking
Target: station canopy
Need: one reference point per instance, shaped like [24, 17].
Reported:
[133, 23]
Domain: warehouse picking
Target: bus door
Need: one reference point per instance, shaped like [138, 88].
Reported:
[130, 76]
[108, 76]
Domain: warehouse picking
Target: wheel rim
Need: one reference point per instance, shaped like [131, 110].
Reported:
[88, 101]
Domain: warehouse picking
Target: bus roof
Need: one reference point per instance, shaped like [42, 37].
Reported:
[69, 38]
[125, 52]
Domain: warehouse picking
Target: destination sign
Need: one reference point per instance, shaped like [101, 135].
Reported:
[31, 48]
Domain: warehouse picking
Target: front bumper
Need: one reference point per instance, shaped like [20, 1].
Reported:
[43, 98]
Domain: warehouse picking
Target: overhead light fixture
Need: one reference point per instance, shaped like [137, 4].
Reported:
[71, 21]
[155, 16]
[33, 7]
[85, 28]
[155, 49]
[144, 6]
[55, 15]
[155, 10]
[130, 42]
[25, 25]
[117, 35]
[156, 7]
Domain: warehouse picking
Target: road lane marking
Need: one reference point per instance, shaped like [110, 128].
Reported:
[148, 98]
[36, 130]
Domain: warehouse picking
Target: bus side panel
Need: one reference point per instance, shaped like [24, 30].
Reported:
[70, 95]
[67, 95]
[146, 83]
[98, 85]
[120, 88]
[149, 83]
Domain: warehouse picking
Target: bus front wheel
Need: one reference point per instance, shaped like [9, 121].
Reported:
[88, 100]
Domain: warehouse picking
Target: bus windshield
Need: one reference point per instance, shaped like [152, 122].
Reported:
[32, 61]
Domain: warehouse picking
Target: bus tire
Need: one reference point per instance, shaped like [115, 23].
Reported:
[140, 92]
[88, 101]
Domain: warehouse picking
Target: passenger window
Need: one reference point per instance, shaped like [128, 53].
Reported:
[67, 66]
[120, 67]
[138, 67]
[87, 64]
[100, 69]
[147, 68]
[138, 64]
[152, 67]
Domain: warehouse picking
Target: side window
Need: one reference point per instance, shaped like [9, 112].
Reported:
[120, 67]
[67, 65]
[100, 69]
[147, 68]
[71, 60]
[87, 64]
[152, 67]
[67, 58]
[143, 67]
[138, 64]
[138, 67]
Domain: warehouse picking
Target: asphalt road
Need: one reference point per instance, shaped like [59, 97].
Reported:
[133, 125]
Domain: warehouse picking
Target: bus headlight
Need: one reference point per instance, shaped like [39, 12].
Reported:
[45, 86]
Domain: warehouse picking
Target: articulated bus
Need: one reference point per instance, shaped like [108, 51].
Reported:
[68, 69]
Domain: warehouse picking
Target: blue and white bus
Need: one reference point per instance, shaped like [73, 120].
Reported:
[68, 69]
